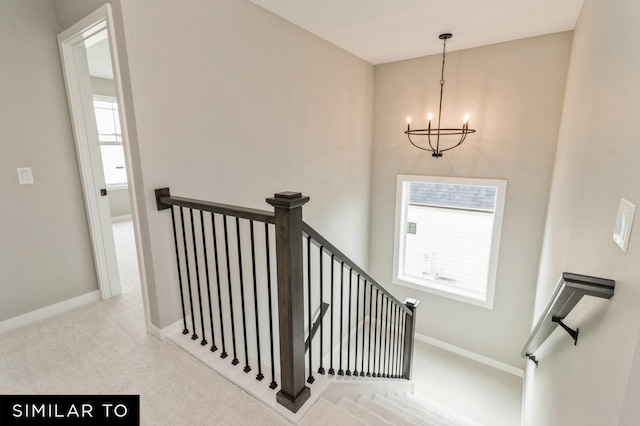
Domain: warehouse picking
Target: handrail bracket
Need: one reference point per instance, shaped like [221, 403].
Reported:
[573, 333]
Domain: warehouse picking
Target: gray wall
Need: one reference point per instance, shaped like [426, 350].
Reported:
[514, 93]
[248, 105]
[597, 381]
[119, 204]
[45, 250]
[103, 86]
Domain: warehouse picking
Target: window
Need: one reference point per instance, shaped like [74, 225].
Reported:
[448, 236]
[110, 137]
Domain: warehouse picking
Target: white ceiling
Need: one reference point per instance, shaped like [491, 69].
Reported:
[381, 31]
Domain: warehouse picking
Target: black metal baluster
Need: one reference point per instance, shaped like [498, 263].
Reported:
[206, 271]
[371, 318]
[375, 333]
[399, 339]
[194, 336]
[246, 368]
[273, 383]
[392, 342]
[364, 315]
[215, 256]
[195, 259]
[355, 364]
[331, 306]
[259, 376]
[401, 342]
[340, 370]
[403, 318]
[233, 322]
[348, 372]
[380, 356]
[321, 318]
[386, 338]
[310, 379]
[185, 330]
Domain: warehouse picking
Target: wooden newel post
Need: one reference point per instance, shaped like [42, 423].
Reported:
[409, 337]
[288, 220]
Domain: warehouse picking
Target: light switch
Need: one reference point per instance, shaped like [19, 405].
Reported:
[25, 175]
[624, 221]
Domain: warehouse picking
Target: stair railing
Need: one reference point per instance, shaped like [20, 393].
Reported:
[375, 331]
[224, 260]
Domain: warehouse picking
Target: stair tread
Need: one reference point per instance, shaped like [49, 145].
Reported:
[453, 417]
[434, 415]
[383, 412]
[362, 413]
[324, 412]
[412, 416]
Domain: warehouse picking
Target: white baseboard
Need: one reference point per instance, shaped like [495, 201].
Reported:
[155, 331]
[47, 311]
[169, 330]
[471, 355]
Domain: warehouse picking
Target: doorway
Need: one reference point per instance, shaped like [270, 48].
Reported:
[107, 117]
[90, 63]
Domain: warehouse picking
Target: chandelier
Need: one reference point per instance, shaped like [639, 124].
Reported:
[436, 132]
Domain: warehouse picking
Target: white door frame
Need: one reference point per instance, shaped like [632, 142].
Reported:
[78, 84]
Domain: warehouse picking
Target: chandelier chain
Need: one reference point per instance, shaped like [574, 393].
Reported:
[444, 53]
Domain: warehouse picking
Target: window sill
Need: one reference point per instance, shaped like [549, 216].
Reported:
[117, 186]
[439, 289]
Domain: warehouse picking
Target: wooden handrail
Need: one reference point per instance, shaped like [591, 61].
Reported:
[566, 296]
[165, 200]
[318, 240]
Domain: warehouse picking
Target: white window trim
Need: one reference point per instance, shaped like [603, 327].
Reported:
[109, 98]
[399, 239]
[116, 186]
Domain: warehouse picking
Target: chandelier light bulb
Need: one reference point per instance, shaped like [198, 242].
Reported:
[465, 119]
[408, 120]
[429, 116]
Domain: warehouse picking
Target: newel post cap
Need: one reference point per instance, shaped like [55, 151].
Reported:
[411, 303]
[288, 199]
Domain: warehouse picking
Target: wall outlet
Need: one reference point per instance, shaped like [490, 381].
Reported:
[25, 175]
[624, 221]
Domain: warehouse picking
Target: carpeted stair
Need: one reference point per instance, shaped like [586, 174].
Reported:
[397, 410]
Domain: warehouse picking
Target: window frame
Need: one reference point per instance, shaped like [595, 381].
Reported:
[432, 286]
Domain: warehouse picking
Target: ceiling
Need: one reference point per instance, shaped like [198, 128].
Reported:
[381, 31]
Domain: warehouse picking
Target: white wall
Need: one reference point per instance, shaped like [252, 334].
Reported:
[239, 104]
[45, 250]
[595, 382]
[514, 93]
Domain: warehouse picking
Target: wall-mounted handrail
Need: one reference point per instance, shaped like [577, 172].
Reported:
[566, 296]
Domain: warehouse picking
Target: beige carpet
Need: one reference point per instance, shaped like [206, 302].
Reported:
[102, 348]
